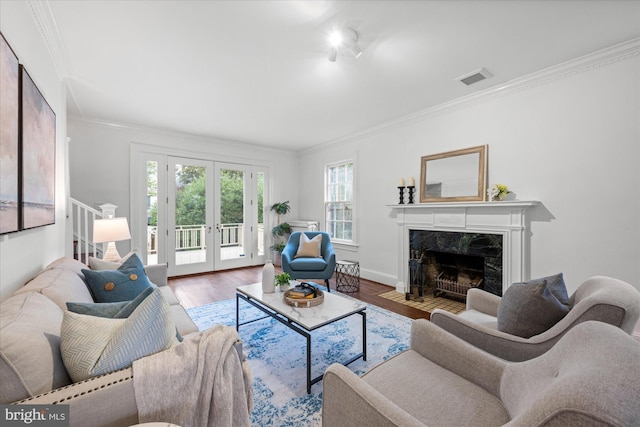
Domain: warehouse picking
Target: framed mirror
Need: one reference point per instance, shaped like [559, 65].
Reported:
[454, 176]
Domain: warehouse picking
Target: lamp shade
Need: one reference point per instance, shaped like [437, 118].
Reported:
[110, 230]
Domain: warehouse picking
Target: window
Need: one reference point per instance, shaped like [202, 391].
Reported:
[339, 201]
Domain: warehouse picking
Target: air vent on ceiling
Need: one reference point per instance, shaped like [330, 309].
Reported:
[475, 76]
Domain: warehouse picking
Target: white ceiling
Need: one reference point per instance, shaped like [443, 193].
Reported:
[257, 71]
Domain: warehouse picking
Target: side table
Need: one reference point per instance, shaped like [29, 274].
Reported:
[347, 276]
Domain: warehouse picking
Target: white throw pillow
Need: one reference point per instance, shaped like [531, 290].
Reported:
[309, 248]
[93, 346]
[100, 264]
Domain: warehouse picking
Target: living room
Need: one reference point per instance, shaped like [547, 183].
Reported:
[565, 135]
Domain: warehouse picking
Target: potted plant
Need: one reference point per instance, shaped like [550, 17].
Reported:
[280, 232]
[282, 280]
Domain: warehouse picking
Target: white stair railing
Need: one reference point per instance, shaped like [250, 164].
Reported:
[83, 217]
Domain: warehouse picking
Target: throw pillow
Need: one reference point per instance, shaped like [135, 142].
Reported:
[123, 284]
[113, 310]
[309, 248]
[100, 264]
[93, 346]
[529, 309]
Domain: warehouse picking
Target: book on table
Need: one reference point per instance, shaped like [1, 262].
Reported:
[303, 291]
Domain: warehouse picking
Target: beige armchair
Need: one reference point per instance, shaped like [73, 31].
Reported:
[600, 298]
[591, 377]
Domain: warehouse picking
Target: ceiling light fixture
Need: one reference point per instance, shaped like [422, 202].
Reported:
[348, 38]
[335, 39]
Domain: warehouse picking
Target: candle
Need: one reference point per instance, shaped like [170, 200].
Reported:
[401, 182]
[412, 182]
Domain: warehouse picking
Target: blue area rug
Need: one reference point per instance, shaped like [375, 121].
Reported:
[277, 356]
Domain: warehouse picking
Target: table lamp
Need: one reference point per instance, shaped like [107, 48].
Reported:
[111, 230]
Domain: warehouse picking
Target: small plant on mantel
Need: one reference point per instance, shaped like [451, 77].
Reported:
[280, 232]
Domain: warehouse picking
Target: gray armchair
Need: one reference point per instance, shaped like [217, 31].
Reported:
[591, 377]
[598, 298]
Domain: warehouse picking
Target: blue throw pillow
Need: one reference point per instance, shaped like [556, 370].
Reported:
[123, 284]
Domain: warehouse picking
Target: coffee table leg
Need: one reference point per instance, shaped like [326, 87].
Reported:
[308, 364]
[364, 335]
[237, 312]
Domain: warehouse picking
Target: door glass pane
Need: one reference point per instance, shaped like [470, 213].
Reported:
[231, 214]
[190, 213]
[152, 212]
[260, 213]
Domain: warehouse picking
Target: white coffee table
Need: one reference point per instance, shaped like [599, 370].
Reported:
[304, 320]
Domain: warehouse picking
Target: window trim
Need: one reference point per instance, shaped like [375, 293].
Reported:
[342, 242]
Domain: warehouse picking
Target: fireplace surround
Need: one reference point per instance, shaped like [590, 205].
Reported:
[504, 221]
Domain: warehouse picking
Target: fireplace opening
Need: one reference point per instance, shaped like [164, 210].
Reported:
[445, 274]
[450, 263]
[454, 274]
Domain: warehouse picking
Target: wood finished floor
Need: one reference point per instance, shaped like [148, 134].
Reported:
[202, 289]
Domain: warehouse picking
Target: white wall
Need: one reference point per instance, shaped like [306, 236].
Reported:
[100, 162]
[24, 254]
[571, 142]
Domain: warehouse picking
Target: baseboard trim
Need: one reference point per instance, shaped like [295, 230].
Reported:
[376, 276]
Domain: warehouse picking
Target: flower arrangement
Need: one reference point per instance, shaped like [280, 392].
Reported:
[498, 192]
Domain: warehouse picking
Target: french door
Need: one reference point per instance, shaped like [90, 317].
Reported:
[190, 216]
[198, 215]
[231, 215]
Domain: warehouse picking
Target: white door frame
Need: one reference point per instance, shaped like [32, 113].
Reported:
[140, 154]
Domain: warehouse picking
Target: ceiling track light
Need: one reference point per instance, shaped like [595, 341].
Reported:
[344, 38]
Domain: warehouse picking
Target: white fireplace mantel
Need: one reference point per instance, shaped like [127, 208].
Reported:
[507, 218]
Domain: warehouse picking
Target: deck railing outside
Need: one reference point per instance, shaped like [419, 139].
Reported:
[192, 237]
[188, 238]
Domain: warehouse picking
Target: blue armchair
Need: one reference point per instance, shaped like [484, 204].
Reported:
[309, 268]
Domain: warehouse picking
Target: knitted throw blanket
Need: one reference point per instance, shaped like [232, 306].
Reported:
[199, 382]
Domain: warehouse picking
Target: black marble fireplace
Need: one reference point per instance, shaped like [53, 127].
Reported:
[448, 263]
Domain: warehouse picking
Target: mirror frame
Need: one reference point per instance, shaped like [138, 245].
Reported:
[482, 175]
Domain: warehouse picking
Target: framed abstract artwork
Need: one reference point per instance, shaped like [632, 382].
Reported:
[9, 138]
[38, 154]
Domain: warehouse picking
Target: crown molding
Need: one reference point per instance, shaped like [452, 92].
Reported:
[598, 59]
[177, 134]
[43, 16]
[46, 22]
